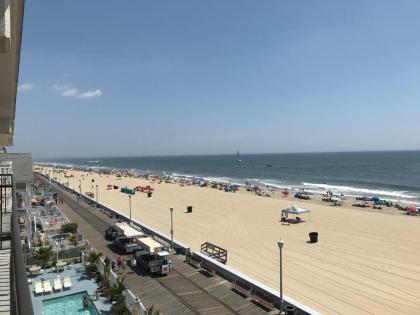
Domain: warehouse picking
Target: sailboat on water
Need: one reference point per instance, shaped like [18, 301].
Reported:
[238, 160]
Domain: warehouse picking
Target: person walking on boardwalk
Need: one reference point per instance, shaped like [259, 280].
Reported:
[119, 261]
[134, 262]
[124, 264]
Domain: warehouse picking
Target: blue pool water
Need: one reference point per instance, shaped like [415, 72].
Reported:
[69, 305]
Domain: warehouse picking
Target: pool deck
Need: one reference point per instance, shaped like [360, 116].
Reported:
[80, 283]
[184, 291]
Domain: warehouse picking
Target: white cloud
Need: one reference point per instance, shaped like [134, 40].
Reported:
[69, 91]
[25, 87]
[90, 94]
[62, 87]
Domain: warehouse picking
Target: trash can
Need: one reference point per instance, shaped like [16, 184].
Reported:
[189, 209]
[149, 194]
[290, 310]
[313, 236]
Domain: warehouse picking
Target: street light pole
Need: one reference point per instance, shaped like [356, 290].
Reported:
[80, 186]
[96, 195]
[172, 228]
[56, 265]
[129, 204]
[281, 244]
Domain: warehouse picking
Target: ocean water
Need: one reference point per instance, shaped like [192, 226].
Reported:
[393, 176]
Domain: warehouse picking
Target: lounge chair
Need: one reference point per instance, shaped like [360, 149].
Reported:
[47, 286]
[38, 287]
[57, 284]
[67, 282]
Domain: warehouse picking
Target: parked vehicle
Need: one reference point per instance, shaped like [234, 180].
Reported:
[127, 244]
[153, 256]
[121, 229]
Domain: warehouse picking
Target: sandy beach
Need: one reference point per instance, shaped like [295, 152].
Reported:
[366, 262]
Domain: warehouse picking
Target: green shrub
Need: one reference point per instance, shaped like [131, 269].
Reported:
[69, 228]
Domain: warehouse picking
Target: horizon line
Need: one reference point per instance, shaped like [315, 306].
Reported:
[226, 154]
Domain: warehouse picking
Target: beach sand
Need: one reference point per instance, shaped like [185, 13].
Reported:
[366, 262]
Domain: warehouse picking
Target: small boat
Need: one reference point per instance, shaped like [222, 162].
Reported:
[268, 165]
[238, 160]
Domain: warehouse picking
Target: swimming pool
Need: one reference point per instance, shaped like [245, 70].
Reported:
[69, 305]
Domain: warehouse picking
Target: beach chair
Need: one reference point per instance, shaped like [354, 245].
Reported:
[57, 284]
[67, 282]
[38, 287]
[47, 286]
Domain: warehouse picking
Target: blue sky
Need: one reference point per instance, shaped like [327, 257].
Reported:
[198, 77]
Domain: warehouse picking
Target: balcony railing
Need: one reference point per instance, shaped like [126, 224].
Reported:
[20, 299]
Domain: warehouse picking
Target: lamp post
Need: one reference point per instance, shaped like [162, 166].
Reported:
[96, 195]
[172, 228]
[80, 186]
[129, 204]
[56, 265]
[281, 244]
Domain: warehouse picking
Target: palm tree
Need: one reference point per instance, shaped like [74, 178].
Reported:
[107, 270]
[118, 288]
[117, 295]
[43, 254]
[153, 311]
[94, 257]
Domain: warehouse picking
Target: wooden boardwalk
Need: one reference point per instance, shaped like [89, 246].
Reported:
[184, 291]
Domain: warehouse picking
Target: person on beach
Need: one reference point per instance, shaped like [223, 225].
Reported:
[85, 301]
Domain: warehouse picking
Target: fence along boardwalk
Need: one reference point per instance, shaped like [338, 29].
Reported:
[183, 291]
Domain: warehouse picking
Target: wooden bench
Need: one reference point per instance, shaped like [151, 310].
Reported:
[262, 300]
[207, 269]
[242, 289]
